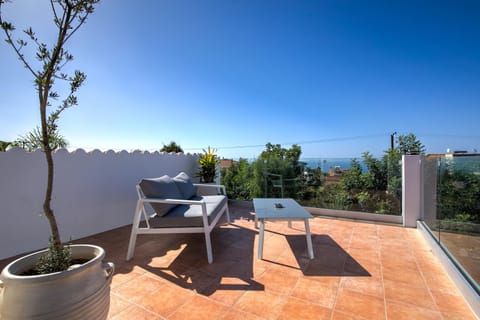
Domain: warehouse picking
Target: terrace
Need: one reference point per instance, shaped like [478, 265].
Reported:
[362, 269]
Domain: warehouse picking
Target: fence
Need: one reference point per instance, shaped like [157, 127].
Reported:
[93, 192]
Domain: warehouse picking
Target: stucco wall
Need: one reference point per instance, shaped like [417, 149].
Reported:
[93, 192]
[412, 189]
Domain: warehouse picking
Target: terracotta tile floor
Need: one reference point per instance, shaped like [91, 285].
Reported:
[360, 271]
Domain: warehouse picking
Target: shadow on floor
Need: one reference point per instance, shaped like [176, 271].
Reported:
[182, 260]
[330, 258]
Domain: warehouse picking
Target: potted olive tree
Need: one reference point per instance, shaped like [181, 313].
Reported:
[63, 281]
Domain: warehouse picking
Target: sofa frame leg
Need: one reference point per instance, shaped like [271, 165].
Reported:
[208, 243]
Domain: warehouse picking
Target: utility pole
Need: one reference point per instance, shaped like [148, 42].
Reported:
[392, 140]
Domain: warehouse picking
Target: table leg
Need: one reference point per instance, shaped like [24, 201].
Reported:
[260, 238]
[309, 239]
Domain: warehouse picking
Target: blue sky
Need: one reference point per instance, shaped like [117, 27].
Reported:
[337, 77]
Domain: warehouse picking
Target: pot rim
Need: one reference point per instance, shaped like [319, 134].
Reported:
[6, 275]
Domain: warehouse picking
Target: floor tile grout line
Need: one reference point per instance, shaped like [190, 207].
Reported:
[340, 282]
[130, 304]
[427, 286]
[134, 304]
[181, 305]
[385, 309]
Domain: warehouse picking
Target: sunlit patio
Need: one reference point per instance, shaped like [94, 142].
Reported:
[361, 270]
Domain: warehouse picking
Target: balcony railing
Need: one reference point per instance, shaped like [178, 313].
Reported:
[452, 210]
[446, 192]
[373, 188]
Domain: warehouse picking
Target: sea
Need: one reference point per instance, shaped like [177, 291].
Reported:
[326, 163]
[468, 164]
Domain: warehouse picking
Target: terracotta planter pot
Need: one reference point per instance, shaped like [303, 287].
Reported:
[80, 293]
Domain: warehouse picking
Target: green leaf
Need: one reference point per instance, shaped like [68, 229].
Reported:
[7, 26]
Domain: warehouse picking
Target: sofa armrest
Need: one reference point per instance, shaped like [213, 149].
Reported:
[172, 201]
[177, 202]
[211, 186]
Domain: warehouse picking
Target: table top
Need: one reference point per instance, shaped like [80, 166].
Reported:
[265, 208]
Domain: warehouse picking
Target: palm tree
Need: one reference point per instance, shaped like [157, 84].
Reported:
[172, 147]
[4, 145]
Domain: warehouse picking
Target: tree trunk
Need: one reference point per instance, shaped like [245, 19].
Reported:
[43, 94]
[47, 209]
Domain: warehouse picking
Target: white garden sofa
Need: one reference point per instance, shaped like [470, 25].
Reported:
[178, 209]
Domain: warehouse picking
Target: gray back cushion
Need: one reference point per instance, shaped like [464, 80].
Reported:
[185, 185]
[163, 187]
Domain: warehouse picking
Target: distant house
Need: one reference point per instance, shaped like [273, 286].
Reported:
[227, 163]
[461, 153]
[452, 154]
[334, 175]
[434, 155]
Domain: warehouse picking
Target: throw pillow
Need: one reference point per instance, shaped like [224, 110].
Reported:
[185, 185]
[163, 187]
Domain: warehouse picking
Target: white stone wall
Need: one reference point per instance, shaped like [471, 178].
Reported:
[93, 192]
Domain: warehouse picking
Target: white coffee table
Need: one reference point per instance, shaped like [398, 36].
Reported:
[280, 209]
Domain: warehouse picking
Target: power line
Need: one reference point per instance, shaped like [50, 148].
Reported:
[442, 135]
[298, 142]
[337, 139]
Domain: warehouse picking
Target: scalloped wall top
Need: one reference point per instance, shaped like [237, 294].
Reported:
[98, 151]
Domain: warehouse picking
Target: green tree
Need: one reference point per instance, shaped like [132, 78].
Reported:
[4, 145]
[392, 160]
[275, 167]
[458, 182]
[353, 179]
[275, 151]
[376, 178]
[332, 196]
[172, 147]
[238, 180]
[353, 183]
[46, 70]
[382, 183]
[378, 189]
[409, 144]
